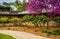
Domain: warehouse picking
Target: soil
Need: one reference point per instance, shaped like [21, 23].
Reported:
[33, 30]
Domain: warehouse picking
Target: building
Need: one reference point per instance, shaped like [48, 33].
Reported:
[5, 9]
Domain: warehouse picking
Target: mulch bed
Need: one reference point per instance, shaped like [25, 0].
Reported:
[33, 30]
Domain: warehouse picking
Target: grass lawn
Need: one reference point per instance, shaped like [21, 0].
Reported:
[3, 36]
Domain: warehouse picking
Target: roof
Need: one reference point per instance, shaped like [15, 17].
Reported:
[14, 13]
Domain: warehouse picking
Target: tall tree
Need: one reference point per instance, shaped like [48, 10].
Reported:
[20, 6]
[16, 2]
[6, 4]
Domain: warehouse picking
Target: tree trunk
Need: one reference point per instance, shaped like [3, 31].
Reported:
[47, 25]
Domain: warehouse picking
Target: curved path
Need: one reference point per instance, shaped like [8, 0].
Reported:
[21, 35]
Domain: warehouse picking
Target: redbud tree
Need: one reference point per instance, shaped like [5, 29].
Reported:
[50, 7]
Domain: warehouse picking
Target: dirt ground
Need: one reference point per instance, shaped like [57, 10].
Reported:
[33, 30]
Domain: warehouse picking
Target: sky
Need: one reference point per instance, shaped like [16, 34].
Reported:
[10, 1]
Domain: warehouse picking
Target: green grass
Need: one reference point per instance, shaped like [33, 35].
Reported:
[3, 36]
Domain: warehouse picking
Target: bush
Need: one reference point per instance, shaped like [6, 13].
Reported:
[28, 18]
[21, 7]
[35, 30]
[56, 18]
[43, 18]
[35, 19]
[45, 31]
[48, 33]
[15, 19]
[54, 32]
[3, 19]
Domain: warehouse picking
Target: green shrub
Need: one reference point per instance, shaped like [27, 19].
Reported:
[21, 7]
[35, 19]
[28, 18]
[43, 18]
[59, 32]
[54, 32]
[35, 30]
[56, 18]
[15, 19]
[3, 19]
[48, 33]
[45, 31]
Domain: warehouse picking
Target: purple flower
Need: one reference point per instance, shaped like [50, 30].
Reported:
[51, 7]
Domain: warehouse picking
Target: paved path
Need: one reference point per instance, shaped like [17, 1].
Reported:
[21, 35]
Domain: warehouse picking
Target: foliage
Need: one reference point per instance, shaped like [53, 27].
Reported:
[20, 7]
[43, 18]
[57, 10]
[35, 22]
[51, 7]
[15, 19]
[31, 18]
[17, 4]
[3, 19]
[35, 30]
[3, 36]
[36, 19]
[6, 4]
[54, 32]
[45, 31]
[28, 18]
[56, 18]
[51, 15]
[34, 6]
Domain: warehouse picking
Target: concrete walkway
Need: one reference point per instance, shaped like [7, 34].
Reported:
[21, 35]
